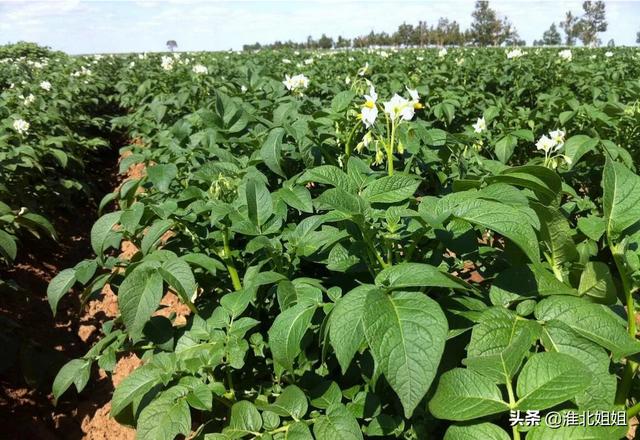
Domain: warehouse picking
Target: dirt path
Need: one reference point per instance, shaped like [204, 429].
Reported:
[41, 344]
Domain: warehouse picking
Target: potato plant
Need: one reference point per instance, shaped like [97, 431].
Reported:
[389, 244]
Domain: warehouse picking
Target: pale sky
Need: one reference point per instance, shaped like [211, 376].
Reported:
[89, 26]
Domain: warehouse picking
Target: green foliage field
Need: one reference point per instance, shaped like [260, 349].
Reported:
[398, 267]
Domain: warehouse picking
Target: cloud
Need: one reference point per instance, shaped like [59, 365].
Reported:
[111, 26]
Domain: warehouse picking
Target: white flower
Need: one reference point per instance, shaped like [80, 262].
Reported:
[286, 61]
[243, 88]
[347, 80]
[608, 54]
[565, 54]
[132, 64]
[546, 144]
[515, 53]
[369, 110]
[415, 98]
[45, 85]
[399, 107]
[308, 61]
[199, 69]
[167, 63]
[442, 52]
[558, 137]
[21, 126]
[459, 61]
[363, 70]
[29, 99]
[420, 58]
[296, 83]
[366, 140]
[480, 125]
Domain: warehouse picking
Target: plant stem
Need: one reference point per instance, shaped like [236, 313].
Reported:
[231, 268]
[512, 404]
[630, 367]
[390, 147]
[633, 411]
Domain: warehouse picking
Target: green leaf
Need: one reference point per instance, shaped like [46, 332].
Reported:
[577, 433]
[545, 183]
[165, 417]
[405, 275]
[291, 403]
[505, 146]
[592, 321]
[329, 175]
[466, 395]
[621, 198]
[548, 379]
[337, 423]
[68, 375]
[340, 200]
[341, 101]
[346, 332]
[391, 189]
[298, 431]
[102, 229]
[134, 386]
[178, 275]
[162, 175]
[259, 202]
[593, 227]
[597, 283]
[271, 150]
[577, 146]
[298, 197]
[287, 331]
[504, 219]
[59, 286]
[406, 333]
[556, 234]
[245, 418]
[8, 247]
[138, 298]
[154, 233]
[325, 394]
[499, 343]
[483, 431]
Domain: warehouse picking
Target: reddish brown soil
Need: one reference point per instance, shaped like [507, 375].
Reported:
[45, 343]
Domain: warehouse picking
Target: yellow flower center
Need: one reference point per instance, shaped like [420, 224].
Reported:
[370, 104]
[418, 106]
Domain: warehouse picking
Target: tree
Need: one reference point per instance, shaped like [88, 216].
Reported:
[570, 28]
[592, 22]
[325, 42]
[638, 37]
[486, 28]
[611, 43]
[404, 35]
[551, 37]
[342, 42]
[509, 35]
[172, 45]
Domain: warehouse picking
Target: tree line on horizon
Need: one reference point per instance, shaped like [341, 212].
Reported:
[487, 29]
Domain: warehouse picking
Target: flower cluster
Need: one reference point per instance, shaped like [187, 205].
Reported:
[442, 52]
[167, 63]
[480, 125]
[515, 53]
[296, 83]
[396, 110]
[45, 85]
[28, 100]
[565, 54]
[21, 126]
[199, 69]
[82, 72]
[551, 145]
